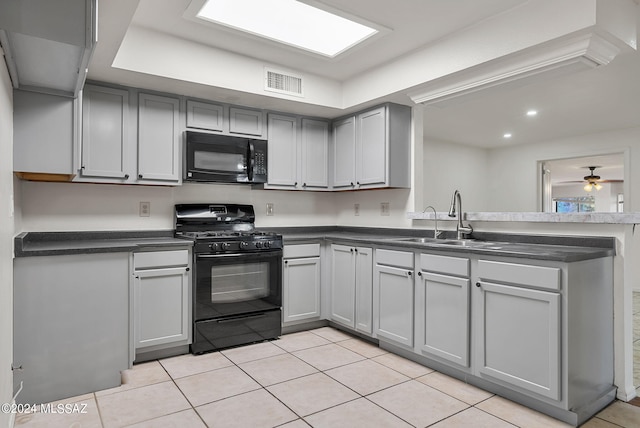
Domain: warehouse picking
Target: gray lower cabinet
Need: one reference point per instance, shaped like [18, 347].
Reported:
[71, 324]
[443, 303]
[394, 293]
[301, 283]
[161, 300]
[545, 330]
[351, 287]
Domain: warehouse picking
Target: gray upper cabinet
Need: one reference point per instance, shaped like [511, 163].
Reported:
[105, 133]
[314, 153]
[344, 153]
[282, 149]
[207, 116]
[45, 128]
[129, 137]
[158, 138]
[443, 304]
[246, 122]
[298, 153]
[372, 149]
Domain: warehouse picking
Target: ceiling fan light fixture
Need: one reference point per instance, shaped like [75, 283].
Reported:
[588, 187]
[598, 186]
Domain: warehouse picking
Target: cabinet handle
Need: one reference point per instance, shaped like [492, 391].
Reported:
[286, 262]
[351, 183]
[126, 176]
[351, 249]
[304, 184]
[188, 269]
[358, 183]
[295, 184]
[478, 284]
[409, 273]
[356, 251]
[419, 273]
[139, 175]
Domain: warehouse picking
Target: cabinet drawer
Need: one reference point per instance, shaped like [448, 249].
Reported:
[395, 258]
[301, 250]
[534, 276]
[444, 264]
[155, 259]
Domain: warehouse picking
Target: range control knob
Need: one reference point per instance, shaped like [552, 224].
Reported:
[267, 244]
[214, 246]
[258, 244]
[225, 246]
[244, 245]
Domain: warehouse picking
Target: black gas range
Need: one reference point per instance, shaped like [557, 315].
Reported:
[237, 286]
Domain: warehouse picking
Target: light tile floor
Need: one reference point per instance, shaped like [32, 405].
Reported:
[319, 378]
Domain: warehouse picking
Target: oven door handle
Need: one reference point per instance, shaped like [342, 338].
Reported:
[262, 254]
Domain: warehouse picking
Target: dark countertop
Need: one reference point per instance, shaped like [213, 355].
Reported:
[538, 247]
[28, 244]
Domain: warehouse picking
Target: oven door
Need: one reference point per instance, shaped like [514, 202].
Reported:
[235, 284]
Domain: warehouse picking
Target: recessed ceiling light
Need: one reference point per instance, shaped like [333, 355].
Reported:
[290, 22]
[532, 113]
[507, 135]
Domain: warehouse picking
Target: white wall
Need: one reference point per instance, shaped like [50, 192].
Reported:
[513, 180]
[449, 167]
[6, 241]
[80, 206]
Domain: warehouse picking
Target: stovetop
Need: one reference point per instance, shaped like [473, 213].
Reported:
[225, 234]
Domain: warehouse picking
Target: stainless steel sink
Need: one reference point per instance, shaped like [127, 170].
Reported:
[466, 243]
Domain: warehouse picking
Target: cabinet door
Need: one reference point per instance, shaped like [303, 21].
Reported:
[105, 124]
[444, 327]
[314, 153]
[394, 298]
[371, 150]
[283, 151]
[301, 298]
[344, 153]
[364, 290]
[158, 138]
[205, 116]
[161, 307]
[343, 284]
[520, 338]
[245, 121]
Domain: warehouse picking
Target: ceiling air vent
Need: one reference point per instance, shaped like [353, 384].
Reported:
[283, 83]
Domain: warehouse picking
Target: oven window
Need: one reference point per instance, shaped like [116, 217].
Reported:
[228, 162]
[239, 282]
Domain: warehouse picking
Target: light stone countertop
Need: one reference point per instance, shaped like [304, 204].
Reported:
[535, 217]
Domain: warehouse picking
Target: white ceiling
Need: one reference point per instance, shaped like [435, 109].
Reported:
[595, 100]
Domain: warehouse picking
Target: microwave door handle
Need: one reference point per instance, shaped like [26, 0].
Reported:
[251, 163]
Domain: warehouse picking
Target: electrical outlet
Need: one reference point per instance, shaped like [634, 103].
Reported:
[384, 208]
[356, 209]
[270, 208]
[145, 209]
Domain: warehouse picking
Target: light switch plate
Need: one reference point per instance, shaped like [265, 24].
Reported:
[356, 209]
[270, 208]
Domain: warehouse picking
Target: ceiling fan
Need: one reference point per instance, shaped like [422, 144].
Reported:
[592, 180]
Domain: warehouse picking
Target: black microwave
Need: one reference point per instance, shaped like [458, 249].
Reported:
[224, 159]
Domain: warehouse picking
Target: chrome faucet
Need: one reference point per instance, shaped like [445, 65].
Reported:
[461, 229]
[436, 232]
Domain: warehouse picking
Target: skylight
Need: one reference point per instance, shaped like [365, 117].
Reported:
[290, 22]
